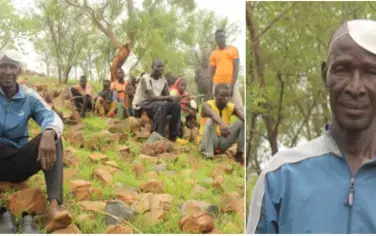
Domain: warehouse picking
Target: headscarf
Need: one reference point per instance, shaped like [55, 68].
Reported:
[176, 87]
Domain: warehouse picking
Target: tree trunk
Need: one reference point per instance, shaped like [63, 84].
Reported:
[66, 74]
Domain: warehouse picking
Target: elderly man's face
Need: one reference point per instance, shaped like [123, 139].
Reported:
[350, 76]
[9, 71]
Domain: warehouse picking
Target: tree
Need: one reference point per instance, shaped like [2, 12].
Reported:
[286, 42]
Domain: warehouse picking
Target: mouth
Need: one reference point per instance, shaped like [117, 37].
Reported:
[354, 109]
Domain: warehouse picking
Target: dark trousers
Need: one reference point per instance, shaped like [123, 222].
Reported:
[158, 111]
[82, 103]
[17, 165]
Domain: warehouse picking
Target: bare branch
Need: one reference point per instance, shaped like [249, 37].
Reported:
[306, 118]
[279, 76]
[275, 20]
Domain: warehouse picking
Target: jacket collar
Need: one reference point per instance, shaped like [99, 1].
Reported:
[19, 95]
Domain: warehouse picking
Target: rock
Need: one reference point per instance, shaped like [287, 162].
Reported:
[143, 134]
[233, 228]
[70, 160]
[77, 127]
[145, 120]
[192, 206]
[133, 124]
[119, 137]
[171, 173]
[118, 229]
[124, 150]
[217, 171]
[216, 231]
[152, 186]
[199, 190]
[154, 216]
[82, 218]
[228, 169]
[160, 167]
[94, 143]
[182, 149]
[76, 139]
[109, 169]
[152, 175]
[68, 174]
[231, 202]
[138, 170]
[135, 207]
[31, 200]
[71, 229]
[85, 193]
[148, 159]
[97, 157]
[168, 157]
[117, 126]
[103, 175]
[79, 183]
[197, 223]
[7, 186]
[151, 201]
[112, 164]
[92, 205]
[218, 182]
[154, 137]
[119, 210]
[128, 196]
[186, 133]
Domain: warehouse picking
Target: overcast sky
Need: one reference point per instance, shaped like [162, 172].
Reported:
[234, 10]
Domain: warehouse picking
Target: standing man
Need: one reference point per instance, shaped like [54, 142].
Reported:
[21, 158]
[224, 62]
[327, 185]
[217, 133]
[153, 97]
[82, 95]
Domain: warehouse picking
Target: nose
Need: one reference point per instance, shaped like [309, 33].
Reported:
[355, 88]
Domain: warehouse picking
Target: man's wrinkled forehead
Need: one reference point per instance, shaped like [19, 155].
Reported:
[360, 32]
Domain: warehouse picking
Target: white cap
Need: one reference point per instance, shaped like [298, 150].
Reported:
[363, 32]
[12, 55]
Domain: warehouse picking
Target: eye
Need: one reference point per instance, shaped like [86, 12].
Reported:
[340, 69]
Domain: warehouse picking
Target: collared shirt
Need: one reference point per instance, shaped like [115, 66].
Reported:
[155, 85]
[223, 60]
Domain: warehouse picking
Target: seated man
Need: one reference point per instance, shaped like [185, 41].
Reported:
[153, 97]
[105, 103]
[217, 135]
[82, 95]
[20, 158]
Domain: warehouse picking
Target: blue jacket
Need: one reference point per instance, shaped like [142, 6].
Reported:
[309, 189]
[16, 112]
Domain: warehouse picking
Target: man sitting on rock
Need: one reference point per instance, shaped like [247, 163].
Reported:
[82, 96]
[20, 158]
[217, 135]
[153, 97]
[105, 102]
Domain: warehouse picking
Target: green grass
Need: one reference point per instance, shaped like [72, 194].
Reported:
[189, 165]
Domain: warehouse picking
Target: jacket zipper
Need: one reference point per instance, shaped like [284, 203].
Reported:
[350, 202]
[5, 117]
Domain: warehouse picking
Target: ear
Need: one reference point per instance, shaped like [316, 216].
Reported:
[324, 70]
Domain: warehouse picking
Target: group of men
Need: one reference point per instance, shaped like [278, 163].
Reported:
[21, 158]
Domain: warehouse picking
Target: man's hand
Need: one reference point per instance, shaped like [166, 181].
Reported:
[175, 98]
[47, 149]
[224, 130]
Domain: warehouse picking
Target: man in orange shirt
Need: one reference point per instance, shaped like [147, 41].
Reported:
[224, 61]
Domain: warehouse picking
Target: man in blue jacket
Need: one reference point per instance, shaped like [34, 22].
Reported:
[21, 158]
[328, 184]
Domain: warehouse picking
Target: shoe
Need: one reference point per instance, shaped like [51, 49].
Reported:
[28, 225]
[239, 158]
[7, 223]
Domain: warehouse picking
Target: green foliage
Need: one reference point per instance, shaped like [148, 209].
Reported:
[291, 51]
